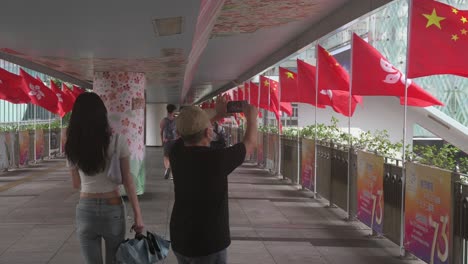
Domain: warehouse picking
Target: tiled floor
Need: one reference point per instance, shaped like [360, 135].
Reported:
[271, 221]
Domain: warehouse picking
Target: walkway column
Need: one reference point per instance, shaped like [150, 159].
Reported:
[123, 95]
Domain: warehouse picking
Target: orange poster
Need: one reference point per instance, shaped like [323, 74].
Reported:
[427, 213]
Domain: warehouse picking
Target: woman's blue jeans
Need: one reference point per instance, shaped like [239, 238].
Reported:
[97, 220]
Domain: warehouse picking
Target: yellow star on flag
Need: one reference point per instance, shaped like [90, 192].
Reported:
[290, 75]
[433, 19]
[464, 20]
[454, 10]
[336, 64]
[266, 83]
[455, 37]
[464, 31]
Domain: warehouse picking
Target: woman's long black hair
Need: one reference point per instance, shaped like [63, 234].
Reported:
[88, 134]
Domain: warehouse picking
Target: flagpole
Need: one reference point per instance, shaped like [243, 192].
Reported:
[279, 127]
[403, 176]
[350, 141]
[35, 132]
[49, 134]
[315, 117]
[258, 101]
[268, 114]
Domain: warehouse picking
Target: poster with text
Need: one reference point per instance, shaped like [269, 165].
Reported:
[370, 172]
[4, 163]
[23, 148]
[308, 164]
[260, 148]
[427, 213]
[10, 141]
[63, 139]
[39, 144]
[270, 161]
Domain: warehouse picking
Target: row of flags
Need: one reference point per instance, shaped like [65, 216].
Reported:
[23, 89]
[438, 34]
[372, 75]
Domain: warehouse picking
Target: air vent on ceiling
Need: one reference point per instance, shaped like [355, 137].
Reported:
[167, 26]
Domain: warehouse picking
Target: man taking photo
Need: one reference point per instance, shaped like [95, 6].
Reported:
[200, 218]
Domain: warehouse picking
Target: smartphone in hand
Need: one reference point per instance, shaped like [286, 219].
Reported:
[235, 106]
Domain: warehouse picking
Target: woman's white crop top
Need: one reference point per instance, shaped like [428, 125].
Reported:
[98, 183]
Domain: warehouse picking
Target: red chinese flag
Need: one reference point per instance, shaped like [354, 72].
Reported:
[240, 94]
[288, 81]
[10, 88]
[273, 86]
[234, 95]
[246, 92]
[39, 94]
[77, 90]
[331, 75]
[254, 93]
[306, 84]
[438, 39]
[65, 103]
[374, 75]
[333, 81]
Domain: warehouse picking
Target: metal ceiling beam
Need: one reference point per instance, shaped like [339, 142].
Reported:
[350, 11]
[43, 69]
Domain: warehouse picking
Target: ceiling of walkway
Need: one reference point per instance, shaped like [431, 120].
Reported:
[223, 42]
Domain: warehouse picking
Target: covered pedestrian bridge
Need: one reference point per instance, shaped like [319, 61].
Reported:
[361, 177]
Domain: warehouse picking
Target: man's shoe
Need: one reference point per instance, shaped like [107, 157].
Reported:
[167, 173]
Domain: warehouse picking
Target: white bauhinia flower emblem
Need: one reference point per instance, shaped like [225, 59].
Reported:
[59, 97]
[1, 82]
[328, 93]
[36, 91]
[394, 74]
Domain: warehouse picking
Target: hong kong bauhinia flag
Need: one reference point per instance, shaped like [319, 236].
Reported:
[77, 90]
[68, 92]
[438, 39]
[39, 94]
[374, 75]
[10, 88]
[65, 101]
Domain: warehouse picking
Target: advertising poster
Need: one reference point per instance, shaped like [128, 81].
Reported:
[10, 148]
[370, 174]
[63, 139]
[4, 163]
[260, 148]
[271, 152]
[427, 213]
[308, 163]
[39, 144]
[23, 148]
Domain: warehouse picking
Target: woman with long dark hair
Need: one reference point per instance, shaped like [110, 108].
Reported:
[100, 212]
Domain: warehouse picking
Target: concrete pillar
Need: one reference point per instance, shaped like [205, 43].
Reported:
[123, 94]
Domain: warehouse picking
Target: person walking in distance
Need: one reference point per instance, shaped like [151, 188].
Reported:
[199, 225]
[100, 211]
[168, 136]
